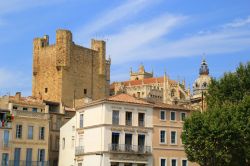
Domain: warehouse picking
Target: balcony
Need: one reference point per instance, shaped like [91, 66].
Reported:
[5, 124]
[141, 123]
[27, 163]
[79, 150]
[135, 149]
[129, 122]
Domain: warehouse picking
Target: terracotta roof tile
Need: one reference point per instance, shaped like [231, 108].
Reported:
[146, 81]
[126, 98]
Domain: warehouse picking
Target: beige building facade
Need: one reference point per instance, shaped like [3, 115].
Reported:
[30, 130]
[65, 72]
[168, 149]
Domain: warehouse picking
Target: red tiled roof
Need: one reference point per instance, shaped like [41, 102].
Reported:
[126, 98]
[26, 100]
[146, 81]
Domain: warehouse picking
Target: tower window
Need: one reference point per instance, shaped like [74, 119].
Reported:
[46, 90]
[85, 91]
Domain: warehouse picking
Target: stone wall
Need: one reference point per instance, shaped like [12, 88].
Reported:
[65, 72]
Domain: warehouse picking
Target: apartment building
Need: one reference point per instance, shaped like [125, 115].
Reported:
[168, 149]
[116, 131]
[29, 133]
[5, 130]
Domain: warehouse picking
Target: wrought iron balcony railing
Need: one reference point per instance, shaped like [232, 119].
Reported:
[141, 123]
[79, 150]
[25, 163]
[125, 148]
[129, 122]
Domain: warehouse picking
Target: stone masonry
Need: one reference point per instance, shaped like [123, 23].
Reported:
[67, 73]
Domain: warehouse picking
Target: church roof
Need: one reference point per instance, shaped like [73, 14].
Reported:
[145, 81]
[126, 98]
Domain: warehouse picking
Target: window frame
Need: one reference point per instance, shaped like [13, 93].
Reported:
[163, 158]
[182, 120]
[165, 115]
[81, 120]
[165, 139]
[41, 134]
[171, 116]
[32, 136]
[19, 131]
[176, 135]
[183, 160]
[115, 118]
[172, 160]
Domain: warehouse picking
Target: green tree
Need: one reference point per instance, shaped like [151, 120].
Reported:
[221, 135]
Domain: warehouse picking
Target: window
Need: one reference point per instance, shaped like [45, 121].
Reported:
[173, 137]
[29, 157]
[30, 132]
[173, 162]
[14, 107]
[128, 142]
[183, 116]
[25, 108]
[129, 118]
[18, 131]
[34, 109]
[162, 136]
[163, 115]
[163, 162]
[41, 133]
[6, 138]
[5, 159]
[85, 91]
[184, 163]
[172, 115]
[73, 128]
[81, 120]
[63, 143]
[141, 143]
[46, 90]
[17, 156]
[115, 142]
[115, 118]
[141, 117]
[41, 155]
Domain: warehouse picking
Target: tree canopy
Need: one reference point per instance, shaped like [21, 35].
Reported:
[221, 135]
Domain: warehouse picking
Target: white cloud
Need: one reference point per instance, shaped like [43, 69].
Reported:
[137, 36]
[238, 23]
[140, 45]
[125, 10]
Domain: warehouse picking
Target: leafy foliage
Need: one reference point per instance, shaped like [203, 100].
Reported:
[221, 135]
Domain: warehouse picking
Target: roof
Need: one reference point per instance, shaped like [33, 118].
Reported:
[26, 100]
[169, 106]
[144, 81]
[126, 98]
[119, 98]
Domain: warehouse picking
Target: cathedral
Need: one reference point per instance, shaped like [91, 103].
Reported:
[144, 85]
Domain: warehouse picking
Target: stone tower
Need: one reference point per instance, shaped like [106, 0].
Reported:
[65, 72]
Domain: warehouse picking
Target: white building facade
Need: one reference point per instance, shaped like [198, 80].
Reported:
[112, 132]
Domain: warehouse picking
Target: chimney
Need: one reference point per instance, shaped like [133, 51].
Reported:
[18, 96]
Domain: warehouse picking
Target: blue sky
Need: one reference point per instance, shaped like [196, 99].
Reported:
[164, 35]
